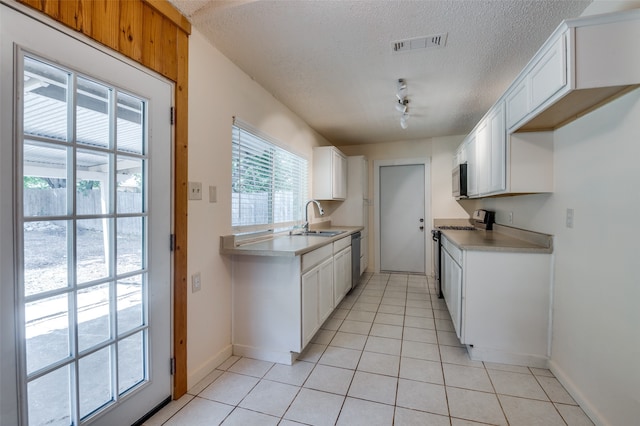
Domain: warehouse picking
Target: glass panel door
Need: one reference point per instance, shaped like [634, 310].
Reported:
[85, 241]
[85, 262]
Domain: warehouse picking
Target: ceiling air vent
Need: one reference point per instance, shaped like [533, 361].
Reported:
[427, 42]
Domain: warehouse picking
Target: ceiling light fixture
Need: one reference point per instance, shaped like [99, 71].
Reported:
[403, 120]
[402, 106]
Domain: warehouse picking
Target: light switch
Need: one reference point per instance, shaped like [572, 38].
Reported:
[195, 190]
[569, 218]
[213, 194]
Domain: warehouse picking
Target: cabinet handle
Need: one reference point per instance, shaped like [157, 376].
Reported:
[422, 228]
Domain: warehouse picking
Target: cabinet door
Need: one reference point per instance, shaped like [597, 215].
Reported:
[549, 75]
[483, 156]
[310, 315]
[325, 302]
[452, 289]
[339, 184]
[342, 274]
[517, 103]
[497, 175]
[472, 181]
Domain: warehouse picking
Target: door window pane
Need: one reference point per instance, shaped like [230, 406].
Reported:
[131, 356]
[47, 331]
[49, 399]
[45, 256]
[92, 113]
[93, 316]
[130, 185]
[93, 249]
[45, 100]
[130, 303]
[94, 377]
[129, 125]
[44, 179]
[92, 182]
[129, 245]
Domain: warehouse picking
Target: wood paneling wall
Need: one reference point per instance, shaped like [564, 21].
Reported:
[154, 34]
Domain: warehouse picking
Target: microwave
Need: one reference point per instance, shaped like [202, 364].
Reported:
[459, 181]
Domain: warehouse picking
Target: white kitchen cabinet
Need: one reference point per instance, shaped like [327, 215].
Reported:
[472, 165]
[452, 286]
[575, 71]
[317, 298]
[279, 302]
[499, 303]
[498, 164]
[483, 156]
[341, 274]
[498, 148]
[329, 174]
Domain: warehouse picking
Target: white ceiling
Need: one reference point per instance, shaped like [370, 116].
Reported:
[331, 62]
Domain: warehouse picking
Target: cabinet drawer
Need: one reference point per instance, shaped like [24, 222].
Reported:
[313, 258]
[341, 244]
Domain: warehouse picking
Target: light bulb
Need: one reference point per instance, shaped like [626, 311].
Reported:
[403, 121]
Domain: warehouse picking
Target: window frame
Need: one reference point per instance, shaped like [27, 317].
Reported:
[275, 146]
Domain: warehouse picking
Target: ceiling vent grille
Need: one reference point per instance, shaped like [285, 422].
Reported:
[435, 41]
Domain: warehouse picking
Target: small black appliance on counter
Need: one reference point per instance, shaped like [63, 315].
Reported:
[484, 219]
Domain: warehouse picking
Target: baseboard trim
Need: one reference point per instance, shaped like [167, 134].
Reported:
[264, 354]
[208, 366]
[575, 393]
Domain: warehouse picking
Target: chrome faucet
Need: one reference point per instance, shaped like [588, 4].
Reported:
[306, 213]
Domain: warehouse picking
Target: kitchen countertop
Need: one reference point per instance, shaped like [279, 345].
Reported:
[503, 239]
[283, 245]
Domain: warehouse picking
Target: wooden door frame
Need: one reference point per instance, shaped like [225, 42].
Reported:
[152, 33]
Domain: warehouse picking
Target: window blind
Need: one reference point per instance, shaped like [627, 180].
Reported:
[268, 184]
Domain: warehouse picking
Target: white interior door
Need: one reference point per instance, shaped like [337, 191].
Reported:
[91, 173]
[402, 218]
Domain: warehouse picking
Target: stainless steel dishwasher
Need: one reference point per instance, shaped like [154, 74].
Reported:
[355, 258]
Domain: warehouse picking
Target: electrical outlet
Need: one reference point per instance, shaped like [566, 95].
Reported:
[196, 284]
[510, 219]
[569, 218]
[195, 190]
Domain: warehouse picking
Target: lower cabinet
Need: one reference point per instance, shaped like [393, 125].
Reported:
[499, 303]
[317, 298]
[280, 302]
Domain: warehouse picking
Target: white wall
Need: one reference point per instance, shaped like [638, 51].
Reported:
[218, 90]
[596, 342]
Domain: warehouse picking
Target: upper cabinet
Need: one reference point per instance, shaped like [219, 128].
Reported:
[329, 173]
[510, 151]
[585, 63]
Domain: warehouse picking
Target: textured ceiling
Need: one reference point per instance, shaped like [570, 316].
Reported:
[331, 62]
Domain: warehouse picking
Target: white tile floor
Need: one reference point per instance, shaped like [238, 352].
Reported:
[388, 355]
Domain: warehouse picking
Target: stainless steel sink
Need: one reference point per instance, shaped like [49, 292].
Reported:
[320, 233]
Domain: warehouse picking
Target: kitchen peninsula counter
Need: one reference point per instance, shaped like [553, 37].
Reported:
[283, 245]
